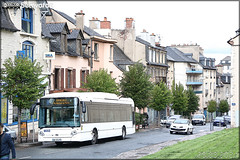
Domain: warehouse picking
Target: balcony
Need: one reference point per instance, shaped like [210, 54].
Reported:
[198, 92]
[194, 71]
[194, 82]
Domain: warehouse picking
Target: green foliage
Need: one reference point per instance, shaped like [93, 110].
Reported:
[223, 106]
[160, 97]
[193, 100]
[101, 81]
[138, 118]
[179, 98]
[212, 106]
[136, 85]
[23, 85]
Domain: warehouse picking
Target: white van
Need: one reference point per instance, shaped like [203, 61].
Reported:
[199, 119]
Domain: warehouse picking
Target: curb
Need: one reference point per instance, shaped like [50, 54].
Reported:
[28, 144]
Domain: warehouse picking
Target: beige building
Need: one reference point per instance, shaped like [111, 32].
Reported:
[234, 42]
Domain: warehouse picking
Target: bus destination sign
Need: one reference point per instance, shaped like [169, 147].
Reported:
[63, 101]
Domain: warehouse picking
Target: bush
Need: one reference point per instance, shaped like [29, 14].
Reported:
[138, 118]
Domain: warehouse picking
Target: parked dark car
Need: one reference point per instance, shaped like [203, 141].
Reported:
[227, 119]
[219, 121]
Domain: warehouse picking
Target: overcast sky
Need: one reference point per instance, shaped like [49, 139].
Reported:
[209, 24]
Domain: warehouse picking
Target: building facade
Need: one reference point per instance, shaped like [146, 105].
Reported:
[234, 42]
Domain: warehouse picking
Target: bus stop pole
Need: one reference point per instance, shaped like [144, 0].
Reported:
[33, 127]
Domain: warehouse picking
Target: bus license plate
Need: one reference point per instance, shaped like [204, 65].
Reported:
[56, 139]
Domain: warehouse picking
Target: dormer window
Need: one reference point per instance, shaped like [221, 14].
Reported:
[27, 20]
[64, 42]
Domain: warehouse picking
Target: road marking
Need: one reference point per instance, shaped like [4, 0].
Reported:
[25, 157]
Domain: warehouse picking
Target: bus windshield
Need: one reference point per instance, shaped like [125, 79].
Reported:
[59, 112]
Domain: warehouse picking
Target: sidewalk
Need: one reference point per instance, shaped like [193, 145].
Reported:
[29, 142]
[141, 152]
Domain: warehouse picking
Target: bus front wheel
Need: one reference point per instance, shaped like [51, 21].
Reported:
[124, 133]
[94, 137]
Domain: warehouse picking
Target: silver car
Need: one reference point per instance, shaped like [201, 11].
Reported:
[11, 132]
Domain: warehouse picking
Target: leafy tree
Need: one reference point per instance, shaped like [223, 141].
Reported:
[22, 83]
[193, 100]
[136, 85]
[212, 107]
[160, 98]
[223, 106]
[101, 81]
[179, 98]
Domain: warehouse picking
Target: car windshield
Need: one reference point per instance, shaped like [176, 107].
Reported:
[181, 121]
[219, 118]
[172, 118]
[197, 116]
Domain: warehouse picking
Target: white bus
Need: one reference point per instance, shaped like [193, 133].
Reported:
[84, 116]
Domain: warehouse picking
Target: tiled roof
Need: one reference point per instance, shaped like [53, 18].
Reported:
[73, 21]
[57, 27]
[140, 40]
[45, 30]
[85, 41]
[86, 29]
[74, 34]
[91, 32]
[227, 58]
[6, 22]
[178, 56]
[119, 58]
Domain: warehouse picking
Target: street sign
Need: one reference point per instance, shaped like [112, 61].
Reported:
[49, 55]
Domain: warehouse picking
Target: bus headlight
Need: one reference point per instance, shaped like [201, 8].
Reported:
[41, 133]
[74, 132]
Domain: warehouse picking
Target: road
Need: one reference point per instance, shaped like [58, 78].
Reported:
[105, 149]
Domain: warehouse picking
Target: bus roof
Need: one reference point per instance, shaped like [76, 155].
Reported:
[93, 96]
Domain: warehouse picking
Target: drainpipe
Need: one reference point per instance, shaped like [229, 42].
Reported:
[91, 60]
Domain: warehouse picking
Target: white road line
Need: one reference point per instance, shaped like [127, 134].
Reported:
[25, 157]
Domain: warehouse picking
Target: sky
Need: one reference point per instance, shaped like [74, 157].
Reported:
[209, 24]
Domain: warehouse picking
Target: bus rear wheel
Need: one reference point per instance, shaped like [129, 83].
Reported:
[124, 133]
[94, 137]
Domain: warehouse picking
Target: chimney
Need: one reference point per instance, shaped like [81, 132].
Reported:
[105, 24]
[80, 20]
[94, 23]
[129, 23]
[152, 39]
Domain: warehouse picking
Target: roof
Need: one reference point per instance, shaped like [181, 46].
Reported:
[178, 56]
[86, 29]
[57, 27]
[227, 58]
[74, 34]
[73, 21]
[45, 30]
[140, 40]
[85, 41]
[91, 32]
[6, 22]
[119, 58]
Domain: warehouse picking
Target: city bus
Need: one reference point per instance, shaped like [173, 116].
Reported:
[84, 116]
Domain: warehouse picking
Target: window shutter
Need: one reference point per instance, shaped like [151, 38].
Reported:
[66, 78]
[61, 79]
[74, 78]
[80, 78]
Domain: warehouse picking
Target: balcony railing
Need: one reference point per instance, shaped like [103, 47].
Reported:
[194, 70]
[194, 82]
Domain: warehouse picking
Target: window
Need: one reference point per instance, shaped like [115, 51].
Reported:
[154, 56]
[27, 47]
[162, 58]
[111, 52]
[69, 77]
[56, 78]
[210, 85]
[64, 42]
[82, 78]
[150, 55]
[95, 51]
[27, 20]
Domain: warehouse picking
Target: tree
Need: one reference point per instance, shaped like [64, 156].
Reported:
[136, 85]
[160, 98]
[193, 100]
[212, 107]
[101, 81]
[22, 83]
[223, 106]
[179, 98]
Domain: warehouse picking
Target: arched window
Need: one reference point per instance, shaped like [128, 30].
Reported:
[27, 47]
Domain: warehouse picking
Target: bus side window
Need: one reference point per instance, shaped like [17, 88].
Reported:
[84, 116]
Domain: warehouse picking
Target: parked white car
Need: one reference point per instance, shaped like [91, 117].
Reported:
[12, 133]
[181, 126]
[199, 119]
[172, 119]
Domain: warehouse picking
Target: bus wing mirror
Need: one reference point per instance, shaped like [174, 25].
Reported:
[83, 107]
[33, 107]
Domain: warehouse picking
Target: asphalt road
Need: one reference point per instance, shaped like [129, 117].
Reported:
[105, 149]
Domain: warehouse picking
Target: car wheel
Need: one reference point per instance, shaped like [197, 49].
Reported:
[171, 132]
[188, 132]
[191, 132]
